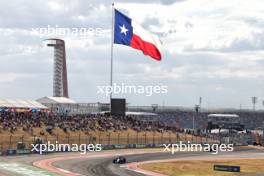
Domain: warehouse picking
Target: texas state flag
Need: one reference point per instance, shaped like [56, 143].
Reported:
[127, 32]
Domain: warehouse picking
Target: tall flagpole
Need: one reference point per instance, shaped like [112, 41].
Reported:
[112, 52]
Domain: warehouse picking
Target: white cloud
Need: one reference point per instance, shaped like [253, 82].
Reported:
[53, 5]
[211, 48]
[12, 77]
[203, 24]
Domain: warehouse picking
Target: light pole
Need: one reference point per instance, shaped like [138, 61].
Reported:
[196, 108]
[263, 132]
[200, 103]
[254, 102]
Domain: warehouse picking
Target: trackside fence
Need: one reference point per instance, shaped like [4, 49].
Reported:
[19, 144]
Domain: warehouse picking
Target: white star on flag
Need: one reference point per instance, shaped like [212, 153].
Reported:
[123, 29]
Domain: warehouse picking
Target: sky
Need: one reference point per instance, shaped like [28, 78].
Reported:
[212, 49]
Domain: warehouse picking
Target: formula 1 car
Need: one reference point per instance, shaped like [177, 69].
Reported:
[119, 160]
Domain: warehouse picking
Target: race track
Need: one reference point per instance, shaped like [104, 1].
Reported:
[103, 166]
[100, 164]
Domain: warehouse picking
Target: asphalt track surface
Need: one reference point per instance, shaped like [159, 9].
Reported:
[102, 165]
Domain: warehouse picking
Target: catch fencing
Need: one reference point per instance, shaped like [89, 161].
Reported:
[143, 139]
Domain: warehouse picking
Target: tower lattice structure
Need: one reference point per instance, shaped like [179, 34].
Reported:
[60, 81]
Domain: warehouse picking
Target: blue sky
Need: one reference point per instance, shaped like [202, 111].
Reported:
[211, 48]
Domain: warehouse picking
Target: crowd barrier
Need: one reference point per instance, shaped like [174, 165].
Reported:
[108, 141]
[11, 152]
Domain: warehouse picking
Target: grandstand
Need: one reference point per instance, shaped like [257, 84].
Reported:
[62, 119]
[101, 128]
[228, 122]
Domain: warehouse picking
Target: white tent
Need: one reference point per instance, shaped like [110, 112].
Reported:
[21, 104]
[65, 105]
[55, 100]
[61, 105]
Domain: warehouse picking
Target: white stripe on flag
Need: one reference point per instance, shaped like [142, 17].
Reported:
[145, 35]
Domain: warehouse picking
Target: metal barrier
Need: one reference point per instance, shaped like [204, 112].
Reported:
[118, 139]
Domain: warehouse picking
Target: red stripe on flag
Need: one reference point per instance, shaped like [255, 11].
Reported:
[146, 47]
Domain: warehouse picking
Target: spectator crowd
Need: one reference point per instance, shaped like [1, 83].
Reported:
[11, 121]
[163, 121]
